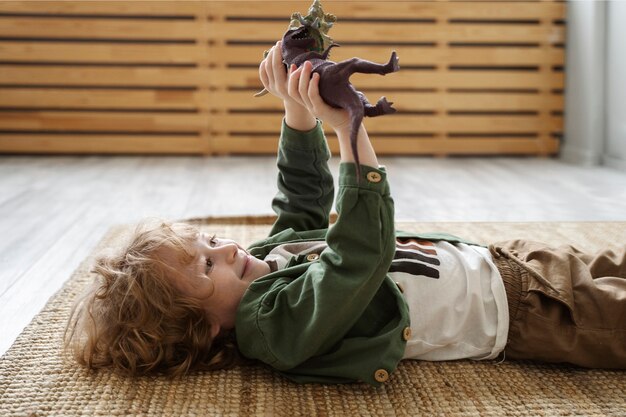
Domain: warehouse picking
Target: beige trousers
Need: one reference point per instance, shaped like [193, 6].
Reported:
[564, 305]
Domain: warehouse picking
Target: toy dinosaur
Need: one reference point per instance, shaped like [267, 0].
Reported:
[308, 43]
[319, 23]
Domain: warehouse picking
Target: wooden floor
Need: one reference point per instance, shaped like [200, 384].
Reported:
[53, 210]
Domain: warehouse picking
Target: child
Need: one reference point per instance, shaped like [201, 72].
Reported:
[344, 303]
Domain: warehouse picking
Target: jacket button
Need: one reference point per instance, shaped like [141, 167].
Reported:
[312, 257]
[400, 287]
[374, 176]
[381, 375]
[406, 333]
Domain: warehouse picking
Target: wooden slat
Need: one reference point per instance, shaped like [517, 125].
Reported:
[104, 76]
[396, 9]
[400, 146]
[409, 55]
[144, 8]
[69, 52]
[388, 9]
[467, 33]
[510, 102]
[90, 28]
[414, 32]
[490, 146]
[139, 122]
[64, 144]
[103, 121]
[244, 77]
[186, 54]
[107, 99]
[105, 144]
[403, 124]
[411, 101]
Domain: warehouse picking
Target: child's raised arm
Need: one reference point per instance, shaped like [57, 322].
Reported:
[305, 184]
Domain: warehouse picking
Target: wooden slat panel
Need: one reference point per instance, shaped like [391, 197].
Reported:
[69, 52]
[106, 144]
[105, 121]
[103, 99]
[164, 68]
[83, 28]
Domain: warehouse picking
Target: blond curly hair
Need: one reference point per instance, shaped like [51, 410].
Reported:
[133, 320]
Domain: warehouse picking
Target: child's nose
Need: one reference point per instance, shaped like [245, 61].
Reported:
[229, 250]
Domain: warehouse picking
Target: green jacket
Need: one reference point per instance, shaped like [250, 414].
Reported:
[338, 318]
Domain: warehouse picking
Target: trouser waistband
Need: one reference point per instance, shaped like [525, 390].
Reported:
[512, 275]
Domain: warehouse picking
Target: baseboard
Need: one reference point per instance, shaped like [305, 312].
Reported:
[579, 157]
[613, 162]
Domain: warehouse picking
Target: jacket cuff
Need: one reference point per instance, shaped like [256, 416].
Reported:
[374, 179]
[310, 140]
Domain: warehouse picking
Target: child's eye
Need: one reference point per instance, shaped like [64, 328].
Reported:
[209, 265]
[213, 240]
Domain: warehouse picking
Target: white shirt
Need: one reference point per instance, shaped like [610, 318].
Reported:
[456, 298]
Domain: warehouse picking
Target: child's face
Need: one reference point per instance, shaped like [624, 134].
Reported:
[220, 273]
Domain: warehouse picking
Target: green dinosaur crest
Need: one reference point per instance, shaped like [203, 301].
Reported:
[319, 22]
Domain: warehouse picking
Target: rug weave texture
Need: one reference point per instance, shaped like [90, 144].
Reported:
[36, 381]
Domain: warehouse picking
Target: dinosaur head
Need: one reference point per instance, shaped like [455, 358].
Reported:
[299, 40]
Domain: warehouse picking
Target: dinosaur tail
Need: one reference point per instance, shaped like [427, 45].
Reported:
[357, 119]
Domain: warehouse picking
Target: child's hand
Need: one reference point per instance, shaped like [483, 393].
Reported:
[274, 78]
[304, 89]
[273, 75]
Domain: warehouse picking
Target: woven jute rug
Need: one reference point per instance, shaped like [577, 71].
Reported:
[36, 381]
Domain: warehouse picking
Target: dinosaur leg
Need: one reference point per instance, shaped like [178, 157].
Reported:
[363, 99]
[381, 108]
[353, 65]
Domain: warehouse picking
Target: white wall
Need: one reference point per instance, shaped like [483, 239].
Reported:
[584, 83]
[595, 88]
[615, 145]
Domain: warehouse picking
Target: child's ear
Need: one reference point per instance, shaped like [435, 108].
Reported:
[215, 328]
